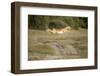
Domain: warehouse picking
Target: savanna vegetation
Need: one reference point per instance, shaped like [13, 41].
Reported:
[43, 45]
[44, 22]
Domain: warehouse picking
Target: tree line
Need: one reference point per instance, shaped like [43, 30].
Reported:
[43, 22]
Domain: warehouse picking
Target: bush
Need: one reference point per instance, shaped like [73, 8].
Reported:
[58, 24]
[38, 22]
[44, 22]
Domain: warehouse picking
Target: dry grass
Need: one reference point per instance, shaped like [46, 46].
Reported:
[44, 45]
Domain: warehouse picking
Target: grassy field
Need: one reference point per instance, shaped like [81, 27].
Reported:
[44, 45]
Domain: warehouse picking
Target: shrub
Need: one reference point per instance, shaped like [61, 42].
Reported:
[58, 24]
[38, 22]
[44, 22]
